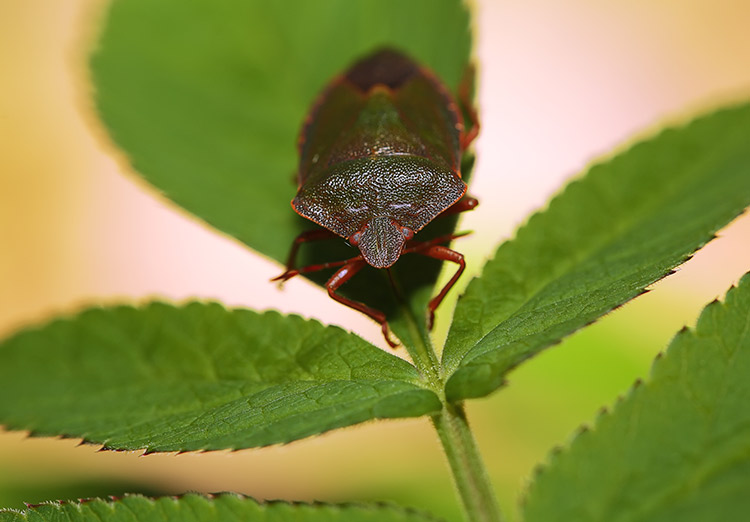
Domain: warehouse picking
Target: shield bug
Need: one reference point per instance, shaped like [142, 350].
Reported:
[380, 156]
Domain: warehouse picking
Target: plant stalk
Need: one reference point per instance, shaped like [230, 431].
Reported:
[422, 353]
[467, 467]
[420, 348]
[469, 474]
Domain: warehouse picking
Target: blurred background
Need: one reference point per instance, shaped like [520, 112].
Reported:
[561, 84]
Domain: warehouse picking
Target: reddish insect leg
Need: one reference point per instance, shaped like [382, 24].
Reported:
[443, 254]
[316, 234]
[465, 92]
[462, 205]
[342, 276]
[312, 268]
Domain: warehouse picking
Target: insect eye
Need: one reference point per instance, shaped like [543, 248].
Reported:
[407, 232]
[354, 238]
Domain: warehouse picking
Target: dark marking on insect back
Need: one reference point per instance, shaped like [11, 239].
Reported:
[385, 67]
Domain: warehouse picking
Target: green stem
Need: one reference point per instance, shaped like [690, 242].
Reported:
[422, 352]
[469, 474]
[417, 340]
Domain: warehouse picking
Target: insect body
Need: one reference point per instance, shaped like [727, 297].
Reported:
[380, 158]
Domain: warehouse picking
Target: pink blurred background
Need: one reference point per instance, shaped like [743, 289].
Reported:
[561, 84]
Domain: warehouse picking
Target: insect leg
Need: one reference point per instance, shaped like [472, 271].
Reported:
[311, 268]
[418, 247]
[443, 254]
[342, 276]
[469, 112]
[316, 234]
[462, 205]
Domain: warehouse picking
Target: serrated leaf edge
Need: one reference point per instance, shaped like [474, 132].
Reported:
[638, 386]
[70, 315]
[209, 497]
[635, 144]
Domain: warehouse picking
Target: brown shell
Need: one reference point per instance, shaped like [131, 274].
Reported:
[380, 151]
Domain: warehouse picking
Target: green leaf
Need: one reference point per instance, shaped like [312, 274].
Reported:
[198, 377]
[678, 447]
[207, 98]
[609, 235]
[221, 508]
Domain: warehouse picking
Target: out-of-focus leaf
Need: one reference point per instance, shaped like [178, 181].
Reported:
[198, 377]
[197, 508]
[678, 447]
[207, 98]
[600, 243]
